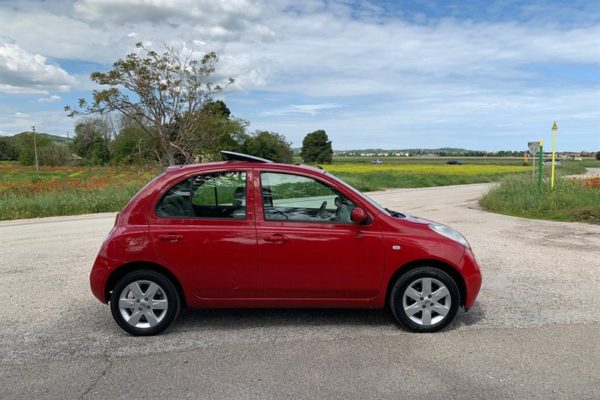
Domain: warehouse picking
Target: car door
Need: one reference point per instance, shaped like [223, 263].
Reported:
[308, 248]
[204, 228]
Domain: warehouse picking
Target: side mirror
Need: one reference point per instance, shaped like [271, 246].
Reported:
[359, 215]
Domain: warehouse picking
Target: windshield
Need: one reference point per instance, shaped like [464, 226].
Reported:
[362, 195]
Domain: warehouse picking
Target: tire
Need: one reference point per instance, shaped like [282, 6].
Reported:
[144, 303]
[419, 302]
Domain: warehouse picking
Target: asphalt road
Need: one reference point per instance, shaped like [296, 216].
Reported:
[534, 332]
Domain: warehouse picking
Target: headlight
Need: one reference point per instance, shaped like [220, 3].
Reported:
[449, 233]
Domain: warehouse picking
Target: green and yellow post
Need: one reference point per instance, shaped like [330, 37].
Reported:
[554, 129]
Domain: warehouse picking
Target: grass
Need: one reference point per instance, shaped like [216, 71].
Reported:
[25, 193]
[368, 177]
[572, 199]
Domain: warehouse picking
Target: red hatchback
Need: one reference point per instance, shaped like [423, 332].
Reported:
[252, 233]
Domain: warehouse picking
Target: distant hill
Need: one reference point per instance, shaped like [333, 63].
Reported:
[49, 136]
[449, 150]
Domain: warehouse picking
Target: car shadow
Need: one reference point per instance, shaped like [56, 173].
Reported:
[274, 317]
[260, 318]
[471, 317]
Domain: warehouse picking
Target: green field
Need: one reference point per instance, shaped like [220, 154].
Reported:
[430, 160]
[25, 193]
[397, 172]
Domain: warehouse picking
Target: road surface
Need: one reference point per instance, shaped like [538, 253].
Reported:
[534, 332]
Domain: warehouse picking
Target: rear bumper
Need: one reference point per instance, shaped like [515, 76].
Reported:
[99, 276]
[472, 276]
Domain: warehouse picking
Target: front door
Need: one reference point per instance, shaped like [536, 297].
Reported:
[308, 247]
[203, 229]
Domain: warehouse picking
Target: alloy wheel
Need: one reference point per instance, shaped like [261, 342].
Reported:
[143, 304]
[426, 301]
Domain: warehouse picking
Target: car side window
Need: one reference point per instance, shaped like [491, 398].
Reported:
[217, 195]
[288, 197]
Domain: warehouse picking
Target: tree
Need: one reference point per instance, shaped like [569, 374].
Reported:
[162, 93]
[132, 145]
[92, 139]
[49, 152]
[8, 149]
[316, 148]
[216, 130]
[598, 155]
[25, 145]
[269, 145]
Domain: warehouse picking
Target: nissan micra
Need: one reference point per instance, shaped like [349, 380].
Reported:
[248, 232]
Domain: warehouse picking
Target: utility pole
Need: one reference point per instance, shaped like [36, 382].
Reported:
[37, 165]
[554, 129]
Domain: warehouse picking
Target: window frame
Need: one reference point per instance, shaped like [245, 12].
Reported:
[303, 175]
[176, 181]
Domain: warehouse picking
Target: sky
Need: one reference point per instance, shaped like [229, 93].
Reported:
[487, 75]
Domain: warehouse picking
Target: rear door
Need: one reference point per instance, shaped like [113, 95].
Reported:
[204, 227]
[308, 247]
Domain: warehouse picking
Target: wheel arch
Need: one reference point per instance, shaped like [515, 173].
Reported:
[124, 269]
[447, 268]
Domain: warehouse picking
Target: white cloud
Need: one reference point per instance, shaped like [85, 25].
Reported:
[305, 109]
[314, 109]
[50, 99]
[23, 72]
[44, 121]
[390, 73]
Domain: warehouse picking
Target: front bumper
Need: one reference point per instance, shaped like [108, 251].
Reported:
[472, 276]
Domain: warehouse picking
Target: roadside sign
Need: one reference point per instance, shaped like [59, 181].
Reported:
[534, 147]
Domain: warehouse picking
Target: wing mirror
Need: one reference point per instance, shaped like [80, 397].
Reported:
[359, 215]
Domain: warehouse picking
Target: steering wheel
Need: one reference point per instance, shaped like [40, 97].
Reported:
[321, 209]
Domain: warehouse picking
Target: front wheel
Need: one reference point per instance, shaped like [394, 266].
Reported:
[144, 303]
[424, 299]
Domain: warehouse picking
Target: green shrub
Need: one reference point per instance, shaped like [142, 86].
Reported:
[570, 201]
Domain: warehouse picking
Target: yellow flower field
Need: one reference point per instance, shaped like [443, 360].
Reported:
[424, 169]
[368, 177]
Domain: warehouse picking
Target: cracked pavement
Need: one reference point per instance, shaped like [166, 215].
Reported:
[532, 334]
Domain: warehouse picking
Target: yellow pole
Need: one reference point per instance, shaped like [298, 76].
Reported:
[554, 129]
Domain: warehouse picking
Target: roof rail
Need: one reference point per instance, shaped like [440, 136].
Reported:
[233, 156]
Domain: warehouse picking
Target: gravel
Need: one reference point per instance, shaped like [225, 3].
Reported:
[541, 279]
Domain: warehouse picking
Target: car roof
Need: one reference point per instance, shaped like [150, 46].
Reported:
[183, 169]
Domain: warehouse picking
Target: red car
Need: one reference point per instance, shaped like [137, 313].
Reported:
[252, 233]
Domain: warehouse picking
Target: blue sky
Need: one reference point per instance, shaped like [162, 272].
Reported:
[390, 74]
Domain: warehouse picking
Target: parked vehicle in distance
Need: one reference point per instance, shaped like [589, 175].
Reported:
[549, 162]
[454, 162]
[252, 233]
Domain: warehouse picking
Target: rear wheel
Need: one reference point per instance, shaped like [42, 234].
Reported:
[144, 303]
[424, 299]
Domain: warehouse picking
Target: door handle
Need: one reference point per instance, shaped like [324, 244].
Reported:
[275, 238]
[170, 237]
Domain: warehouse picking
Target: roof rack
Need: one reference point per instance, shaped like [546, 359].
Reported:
[233, 156]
